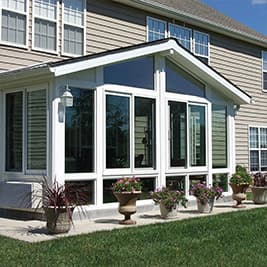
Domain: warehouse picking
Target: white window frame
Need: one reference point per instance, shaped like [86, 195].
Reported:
[183, 28]
[80, 176]
[25, 174]
[26, 14]
[147, 27]
[83, 27]
[208, 46]
[56, 21]
[259, 149]
[263, 70]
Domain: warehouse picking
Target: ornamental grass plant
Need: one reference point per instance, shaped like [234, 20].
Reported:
[169, 198]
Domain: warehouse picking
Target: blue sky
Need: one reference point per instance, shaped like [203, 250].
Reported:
[252, 13]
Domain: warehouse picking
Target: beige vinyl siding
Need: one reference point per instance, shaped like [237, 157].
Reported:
[241, 64]
[112, 25]
[12, 58]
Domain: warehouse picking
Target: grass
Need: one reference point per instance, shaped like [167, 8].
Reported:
[233, 239]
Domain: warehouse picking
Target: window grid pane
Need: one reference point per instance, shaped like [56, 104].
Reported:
[18, 5]
[13, 27]
[45, 34]
[73, 40]
[254, 138]
[201, 44]
[156, 29]
[263, 137]
[264, 160]
[74, 12]
[254, 161]
[264, 60]
[182, 34]
[46, 9]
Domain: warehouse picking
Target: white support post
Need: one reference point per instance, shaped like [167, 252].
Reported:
[100, 128]
[209, 143]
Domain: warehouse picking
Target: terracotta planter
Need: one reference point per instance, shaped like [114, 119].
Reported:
[239, 194]
[166, 213]
[58, 220]
[206, 207]
[259, 194]
[127, 205]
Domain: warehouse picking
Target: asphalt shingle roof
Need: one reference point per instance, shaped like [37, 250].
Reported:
[202, 12]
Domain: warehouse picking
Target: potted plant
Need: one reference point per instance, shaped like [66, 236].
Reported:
[168, 201]
[259, 188]
[239, 182]
[57, 202]
[205, 196]
[127, 190]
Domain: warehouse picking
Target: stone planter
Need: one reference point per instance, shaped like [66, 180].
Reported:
[166, 213]
[127, 205]
[239, 194]
[259, 194]
[58, 220]
[207, 207]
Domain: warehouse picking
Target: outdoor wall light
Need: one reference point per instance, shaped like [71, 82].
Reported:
[67, 98]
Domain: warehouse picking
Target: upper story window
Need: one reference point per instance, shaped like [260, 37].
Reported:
[156, 29]
[73, 27]
[258, 148]
[182, 34]
[264, 69]
[197, 43]
[14, 17]
[45, 24]
[201, 46]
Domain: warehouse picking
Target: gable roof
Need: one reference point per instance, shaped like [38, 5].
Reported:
[200, 14]
[167, 47]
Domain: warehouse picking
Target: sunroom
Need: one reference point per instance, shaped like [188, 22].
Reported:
[153, 111]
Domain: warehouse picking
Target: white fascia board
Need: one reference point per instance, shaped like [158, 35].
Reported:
[209, 76]
[170, 48]
[110, 58]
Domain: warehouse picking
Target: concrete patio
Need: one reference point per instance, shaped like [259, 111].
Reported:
[35, 231]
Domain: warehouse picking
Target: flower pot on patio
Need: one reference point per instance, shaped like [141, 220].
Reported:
[259, 194]
[205, 207]
[127, 205]
[58, 220]
[239, 193]
[166, 213]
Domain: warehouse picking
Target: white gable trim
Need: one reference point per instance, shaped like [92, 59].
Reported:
[170, 48]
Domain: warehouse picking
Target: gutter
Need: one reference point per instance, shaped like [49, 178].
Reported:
[192, 19]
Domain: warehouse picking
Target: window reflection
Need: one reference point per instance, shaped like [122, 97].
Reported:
[117, 132]
[197, 135]
[177, 134]
[79, 132]
[144, 132]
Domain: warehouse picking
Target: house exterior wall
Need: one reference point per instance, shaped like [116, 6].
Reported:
[111, 25]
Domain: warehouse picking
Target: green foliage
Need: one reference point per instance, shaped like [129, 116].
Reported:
[169, 198]
[241, 176]
[228, 240]
[127, 185]
[205, 193]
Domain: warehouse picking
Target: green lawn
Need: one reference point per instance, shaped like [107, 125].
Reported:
[236, 239]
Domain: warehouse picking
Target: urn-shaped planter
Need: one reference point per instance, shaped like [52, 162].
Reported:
[205, 207]
[259, 194]
[58, 220]
[127, 205]
[166, 213]
[239, 193]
